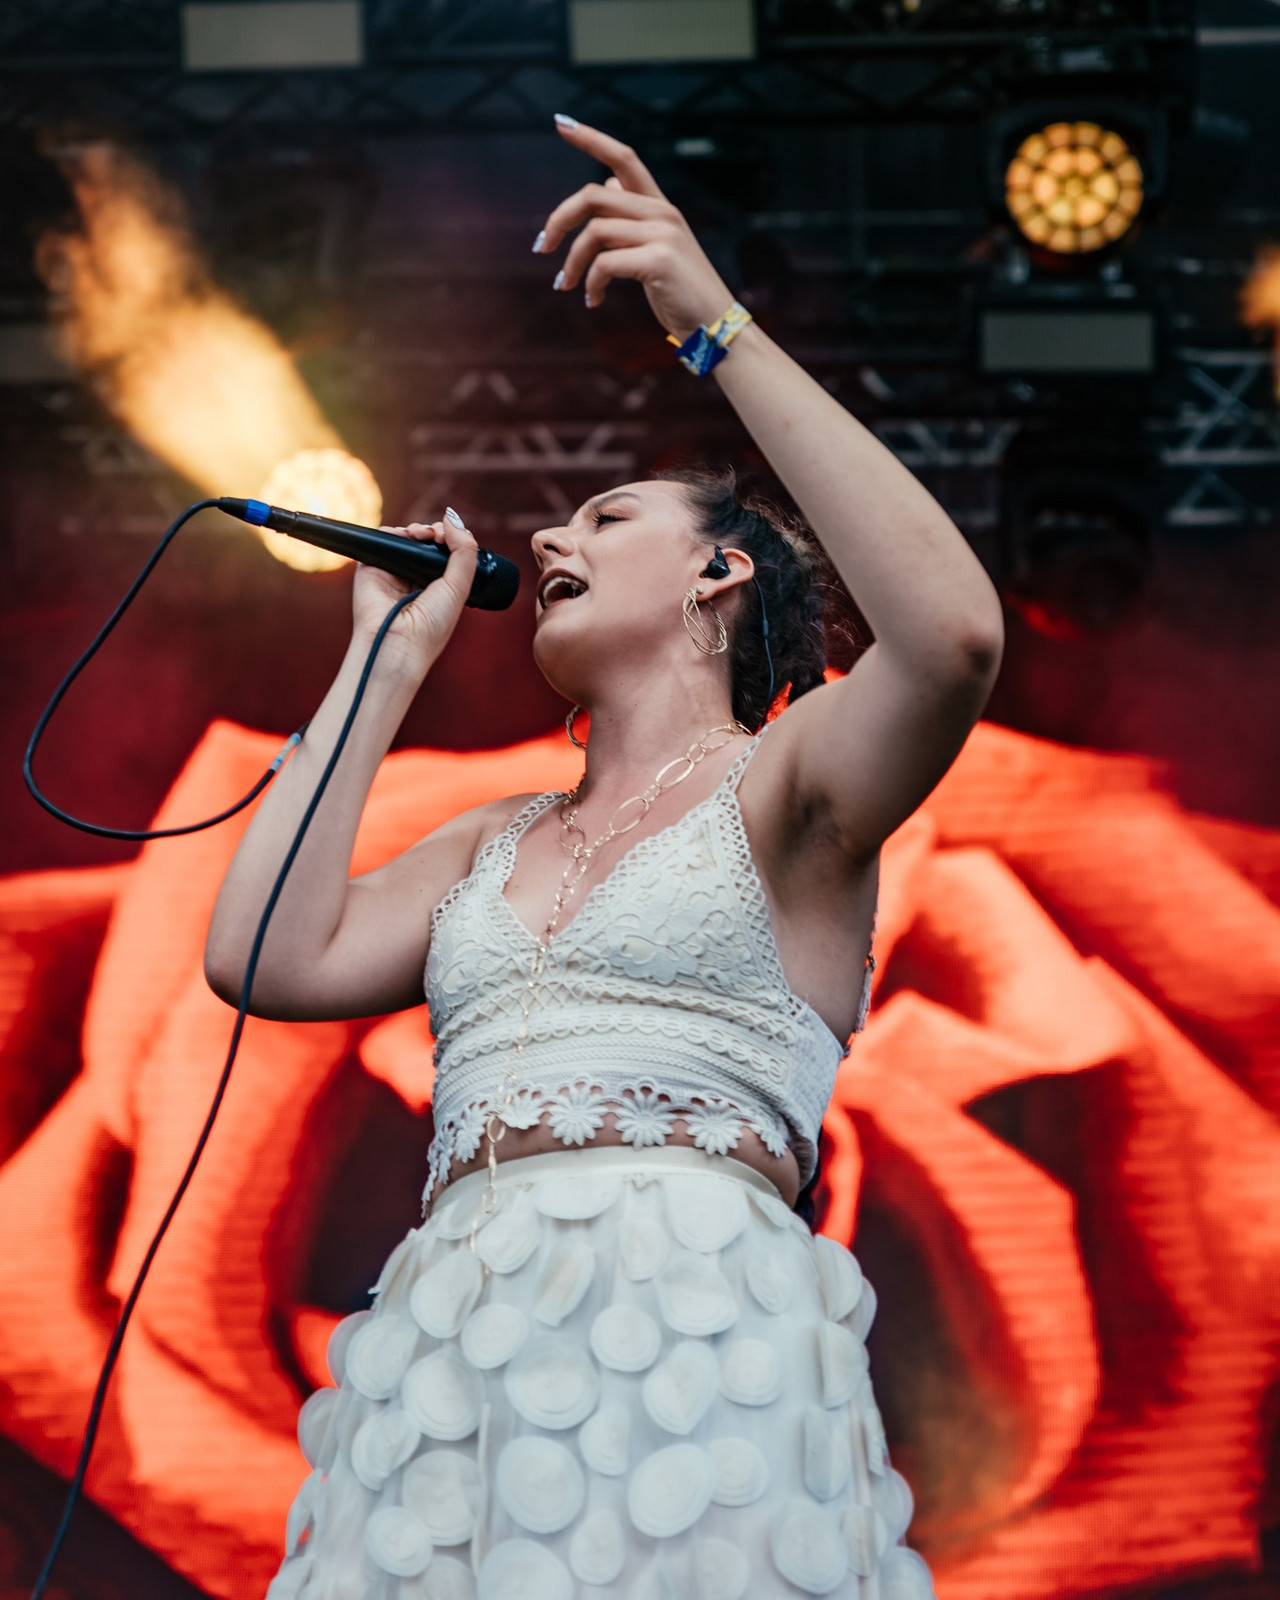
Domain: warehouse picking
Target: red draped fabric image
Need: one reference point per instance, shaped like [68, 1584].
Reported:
[1054, 1150]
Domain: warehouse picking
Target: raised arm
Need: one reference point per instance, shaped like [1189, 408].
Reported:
[868, 748]
[337, 947]
[865, 751]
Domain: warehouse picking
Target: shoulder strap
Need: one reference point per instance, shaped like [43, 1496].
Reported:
[501, 848]
[532, 809]
[733, 777]
[505, 839]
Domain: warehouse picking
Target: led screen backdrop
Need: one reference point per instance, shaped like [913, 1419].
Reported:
[1054, 1149]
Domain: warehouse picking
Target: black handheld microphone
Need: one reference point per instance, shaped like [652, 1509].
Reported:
[493, 589]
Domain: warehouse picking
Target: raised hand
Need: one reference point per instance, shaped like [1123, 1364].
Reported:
[629, 229]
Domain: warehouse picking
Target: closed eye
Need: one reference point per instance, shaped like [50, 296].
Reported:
[605, 516]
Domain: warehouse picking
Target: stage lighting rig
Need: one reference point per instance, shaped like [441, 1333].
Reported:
[1074, 187]
[1087, 333]
[281, 35]
[616, 32]
[1073, 174]
[1071, 177]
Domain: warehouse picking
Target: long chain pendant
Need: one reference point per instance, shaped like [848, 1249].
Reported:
[581, 855]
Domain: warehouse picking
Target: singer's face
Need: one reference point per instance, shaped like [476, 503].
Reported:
[611, 582]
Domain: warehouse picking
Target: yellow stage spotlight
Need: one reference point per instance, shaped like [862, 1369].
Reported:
[1074, 187]
[198, 380]
[327, 483]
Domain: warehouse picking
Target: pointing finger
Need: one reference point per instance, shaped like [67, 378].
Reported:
[620, 158]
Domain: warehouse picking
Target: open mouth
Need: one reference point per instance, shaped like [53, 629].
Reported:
[557, 587]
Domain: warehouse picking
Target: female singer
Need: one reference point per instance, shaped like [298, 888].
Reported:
[614, 1360]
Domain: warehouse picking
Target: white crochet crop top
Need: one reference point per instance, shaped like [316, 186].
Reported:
[663, 1000]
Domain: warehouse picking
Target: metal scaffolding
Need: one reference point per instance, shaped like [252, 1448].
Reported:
[488, 65]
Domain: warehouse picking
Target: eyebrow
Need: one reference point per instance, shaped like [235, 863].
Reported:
[619, 494]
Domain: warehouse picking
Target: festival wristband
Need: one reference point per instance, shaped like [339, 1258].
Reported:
[705, 346]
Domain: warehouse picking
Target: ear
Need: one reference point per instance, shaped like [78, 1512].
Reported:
[725, 571]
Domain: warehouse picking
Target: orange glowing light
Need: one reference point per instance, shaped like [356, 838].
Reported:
[195, 378]
[1260, 299]
[1073, 187]
[328, 483]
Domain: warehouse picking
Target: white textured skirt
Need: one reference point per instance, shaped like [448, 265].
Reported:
[640, 1378]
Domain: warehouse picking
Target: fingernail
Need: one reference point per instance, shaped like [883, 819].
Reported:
[559, 281]
[454, 517]
[566, 122]
[540, 241]
[586, 295]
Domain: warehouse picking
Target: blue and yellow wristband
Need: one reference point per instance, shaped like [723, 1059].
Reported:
[705, 346]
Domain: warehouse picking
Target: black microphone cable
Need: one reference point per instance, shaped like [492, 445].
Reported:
[100, 638]
[122, 1322]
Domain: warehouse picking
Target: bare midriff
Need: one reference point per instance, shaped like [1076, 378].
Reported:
[782, 1171]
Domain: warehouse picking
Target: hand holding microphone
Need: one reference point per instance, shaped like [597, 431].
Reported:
[494, 585]
[418, 556]
[421, 631]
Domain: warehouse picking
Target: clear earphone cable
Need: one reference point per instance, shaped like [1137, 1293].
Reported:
[768, 651]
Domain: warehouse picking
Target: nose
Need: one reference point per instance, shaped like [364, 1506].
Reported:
[550, 542]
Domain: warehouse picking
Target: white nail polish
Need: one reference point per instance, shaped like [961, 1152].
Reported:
[559, 281]
[454, 517]
[586, 295]
[539, 241]
[565, 121]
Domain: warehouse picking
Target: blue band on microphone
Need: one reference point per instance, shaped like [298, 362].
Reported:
[288, 747]
[257, 512]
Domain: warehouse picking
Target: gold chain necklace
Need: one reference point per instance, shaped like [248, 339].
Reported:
[581, 854]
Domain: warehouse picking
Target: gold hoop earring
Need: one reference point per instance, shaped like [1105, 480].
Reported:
[697, 630]
[579, 744]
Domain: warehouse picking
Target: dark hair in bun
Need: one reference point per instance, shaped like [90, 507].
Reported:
[789, 569]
